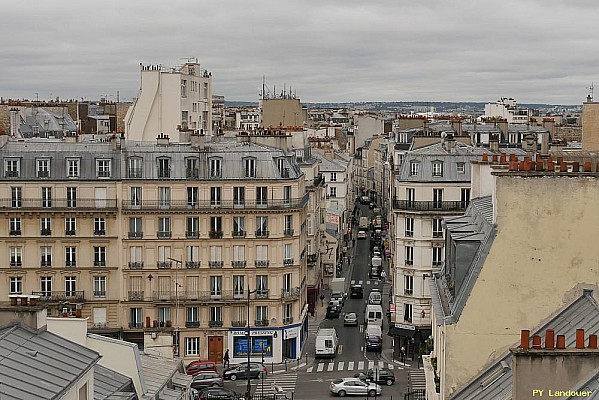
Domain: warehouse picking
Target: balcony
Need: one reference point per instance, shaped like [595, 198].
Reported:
[163, 234]
[14, 232]
[43, 174]
[136, 235]
[192, 264]
[164, 264]
[69, 232]
[261, 294]
[261, 322]
[46, 232]
[103, 174]
[18, 263]
[136, 325]
[437, 263]
[409, 234]
[238, 264]
[215, 264]
[437, 234]
[135, 173]
[238, 324]
[59, 204]
[409, 262]
[192, 324]
[288, 232]
[135, 295]
[261, 263]
[45, 263]
[72, 263]
[55, 296]
[288, 261]
[11, 174]
[262, 233]
[192, 173]
[312, 258]
[99, 263]
[238, 234]
[182, 205]
[216, 234]
[99, 293]
[408, 291]
[99, 232]
[291, 293]
[192, 234]
[215, 324]
[287, 320]
[206, 296]
[408, 205]
[136, 264]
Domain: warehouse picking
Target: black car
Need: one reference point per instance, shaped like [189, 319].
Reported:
[218, 393]
[239, 371]
[356, 292]
[333, 312]
[382, 376]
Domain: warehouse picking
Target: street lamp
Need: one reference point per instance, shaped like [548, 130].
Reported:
[178, 263]
[249, 344]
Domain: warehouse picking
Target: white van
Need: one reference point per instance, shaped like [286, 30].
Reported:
[374, 315]
[326, 343]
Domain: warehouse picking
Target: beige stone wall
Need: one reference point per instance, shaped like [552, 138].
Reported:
[282, 112]
[544, 254]
[4, 119]
[590, 126]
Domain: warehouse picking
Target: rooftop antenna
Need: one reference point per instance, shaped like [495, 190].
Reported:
[590, 95]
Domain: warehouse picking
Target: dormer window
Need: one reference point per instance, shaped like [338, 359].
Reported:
[215, 168]
[103, 168]
[250, 167]
[135, 167]
[12, 168]
[164, 168]
[414, 167]
[72, 168]
[437, 168]
[43, 168]
[461, 167]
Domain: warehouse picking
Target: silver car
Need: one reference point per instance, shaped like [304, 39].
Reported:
[354, 386]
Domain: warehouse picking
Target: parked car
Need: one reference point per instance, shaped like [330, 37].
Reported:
[375, 298]
[382, 376]
[200, 366]
[333, 312]
[362, 234]
[364, 200]
[350, 319]
[239, 371]
[373, 273]
[345, 386]
[202, 380]
[219, 393]
[356, 291]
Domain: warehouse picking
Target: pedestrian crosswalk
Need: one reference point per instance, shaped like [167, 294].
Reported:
[283, 382]
[417, 379]
[361, 365]
[368, 282]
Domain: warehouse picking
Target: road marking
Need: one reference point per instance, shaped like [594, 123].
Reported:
[381, 364]
[353, 281]
[330, 367]
[340, 365]
[350, 366]
[310, 369]
[362, 349]
[340, 349]
[370, 364]
[368, 282]
[361, 282]
[320, 367]
[360, 365]
[361, 328]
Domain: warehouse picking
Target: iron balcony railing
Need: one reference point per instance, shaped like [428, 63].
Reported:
[291, 293]
[184, 205]
[238, 324]
[59, 204]
[135, 295]
[164, 264]
[216, 234]
[136, 264]
[192, 324]
[238, 264]
[261, 263]
[192, 234]
[238, 234]
[216, 264]
[54, 296]
[261, 322]
[312, 258]
[202, 295]
[192, 264]
[408, 205]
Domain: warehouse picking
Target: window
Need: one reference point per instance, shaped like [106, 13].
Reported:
[216, 285]
[191, 168]
[71, 197]
[103, 168]
[43, 168]
[192, 318]
[135, 167]
[216, 227]
[164, 227]
[164, 168]
[16, 256]
[407, 312]
[437, 168]
[99, 286]
[332, 191]
[414, 167]
[239, 256]
[215, 168]
[287, 194]
[465, 197]
[12, 168]
[261, 285]
[135, 196]
[46, 226]
[99, 226]
[72, 168]
[437, 198]
[287, 254]
[46, 197]
[16, 197]
[261, 315]
[164, 197]
[410, 197]
[16, 285]
[437, 256]
[192, 346]
[216, 256]
[193, 257]
[70, 256]
[183, 87]
[238, 226]
[193, 196]
[135, 228]
[461, 167]
[238, 196]
[238, 285]
[239, 316]
[184, 119]
[333, 177]
[409, 221]
[250, 167]
[70, 285]
[136, 315]
[70, 226]
[192, 227]
[288, 225]
[216, 316]
[261, 195]
[99, 256]
[262, 255]
[287, 279]
[288, 313]
[164, 253]
[408, 284]
[215, 198]
[262, 226]
[14, 226]
[409, 255]
[46, 256]
[437, 227]
[164, 314]
[46, 285]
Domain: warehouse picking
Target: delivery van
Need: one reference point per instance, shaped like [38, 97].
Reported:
[374, 315]
[326, 343]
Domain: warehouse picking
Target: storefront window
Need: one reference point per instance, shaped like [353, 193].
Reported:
[259, 344]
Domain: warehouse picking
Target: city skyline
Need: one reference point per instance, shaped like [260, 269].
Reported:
[535, 52]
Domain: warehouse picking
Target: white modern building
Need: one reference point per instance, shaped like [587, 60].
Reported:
[508, 109]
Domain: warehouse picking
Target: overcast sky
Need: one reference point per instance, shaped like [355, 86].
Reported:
[537, 51]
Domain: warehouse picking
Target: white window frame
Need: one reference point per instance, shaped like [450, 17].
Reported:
[73, 170]
[42, 167]
[99, 286]
[192, 346]
[414, 168]
[437, 168]
[103, 168]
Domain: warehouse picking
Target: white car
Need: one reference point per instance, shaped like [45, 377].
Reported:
[354, 386]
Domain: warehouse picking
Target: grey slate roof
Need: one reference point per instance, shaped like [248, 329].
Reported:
[583, 313]
[158, 372]
[110, 385]
[40, 365]
[327, 165]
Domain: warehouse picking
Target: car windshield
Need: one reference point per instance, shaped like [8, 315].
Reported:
[337, 381]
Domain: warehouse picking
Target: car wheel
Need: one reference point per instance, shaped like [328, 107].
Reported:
[389, 382]
[372, 393]
[261, 375]
[233, 377]
[341, 393]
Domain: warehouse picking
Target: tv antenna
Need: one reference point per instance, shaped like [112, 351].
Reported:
[590, 95]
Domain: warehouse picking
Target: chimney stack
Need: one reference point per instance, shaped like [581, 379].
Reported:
[494, 143]
[162, 139]
[580, 338]
[448, 142]
[524, 339]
